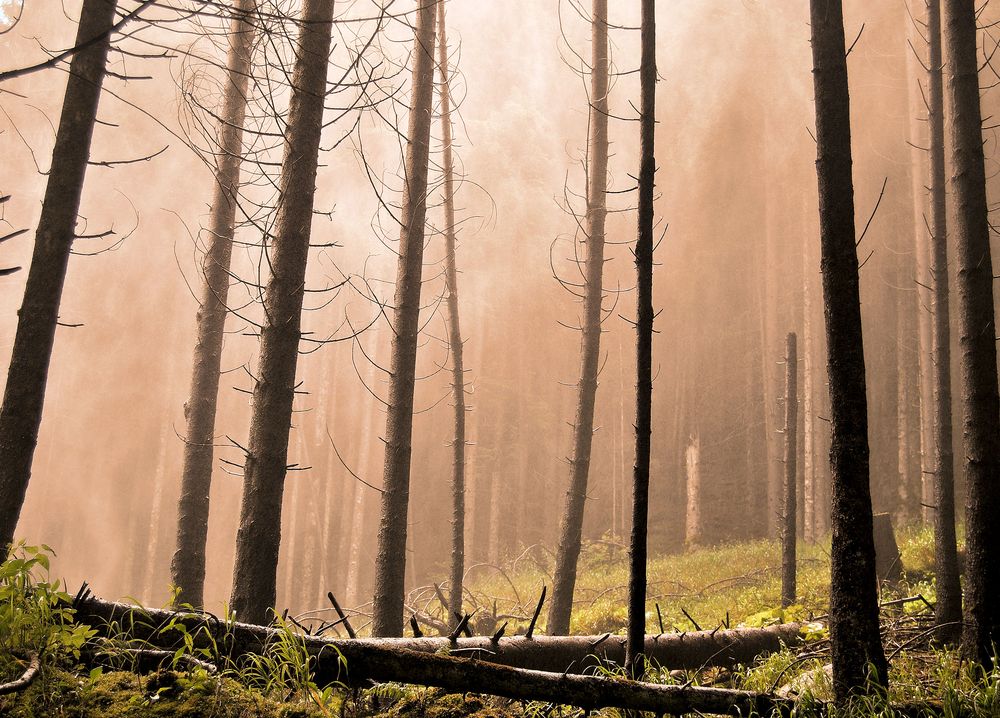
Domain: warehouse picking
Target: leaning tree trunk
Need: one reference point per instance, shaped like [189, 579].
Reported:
[948, 607]
[24, 394]
[644, 345]
[571, 528]
[259, 534]
[977, 339]
[390, 560]
[789, 521]
[454, 333]
[187, 568]
[854, 623]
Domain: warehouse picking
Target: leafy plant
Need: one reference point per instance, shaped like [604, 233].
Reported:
[36, 615]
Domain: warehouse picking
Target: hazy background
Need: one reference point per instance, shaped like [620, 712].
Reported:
[737, 268]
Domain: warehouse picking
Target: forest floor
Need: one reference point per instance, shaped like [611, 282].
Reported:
[736, 584]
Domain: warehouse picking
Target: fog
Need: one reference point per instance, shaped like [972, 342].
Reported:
[737, 268]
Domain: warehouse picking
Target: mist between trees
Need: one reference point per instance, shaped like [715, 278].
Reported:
[737, 269]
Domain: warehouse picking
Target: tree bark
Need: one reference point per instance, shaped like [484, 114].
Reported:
[454, 332]
[390, 561]
[788, 529]
[187, 568]
[259, 534]
[571, 527]
[948, 607]
[977, 335]
[644, 345]
[854, 624]
[24, 395]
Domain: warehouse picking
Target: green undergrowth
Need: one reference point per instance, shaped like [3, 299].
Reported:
[736, 584]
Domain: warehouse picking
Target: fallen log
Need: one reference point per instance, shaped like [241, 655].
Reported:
[561, 654]
[359, 661]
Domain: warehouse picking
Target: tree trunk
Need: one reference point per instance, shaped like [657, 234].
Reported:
[977, 338]
[854, 623]
[693, 527]
[948, 607]
[259, 534]
[454, 333]
[644, 345]
[187, 568]
[788, 529]
[24, 394]
[390, 561]
[571, 528]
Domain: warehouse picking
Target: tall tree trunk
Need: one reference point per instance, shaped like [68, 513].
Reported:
[854, 622]
[24, 394]
[644, 345]
[390, 561]
[187, 568]
[788, 529]
[454, 333]
[571, 527]
[259, 534]
[977, 337]
[948, 607]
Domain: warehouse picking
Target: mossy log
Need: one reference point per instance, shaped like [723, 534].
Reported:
[360, 661]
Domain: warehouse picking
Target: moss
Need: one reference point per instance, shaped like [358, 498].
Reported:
[126, 695]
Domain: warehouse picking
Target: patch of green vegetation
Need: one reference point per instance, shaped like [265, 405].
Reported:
[120, 694]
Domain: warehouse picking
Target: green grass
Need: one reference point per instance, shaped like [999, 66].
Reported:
[736, 583]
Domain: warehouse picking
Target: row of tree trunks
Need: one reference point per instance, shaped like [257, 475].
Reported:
[571, 528]
[187, 568]
[24, 393]
[574, 654]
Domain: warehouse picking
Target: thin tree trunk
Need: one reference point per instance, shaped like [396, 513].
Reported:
[693, 528]
[977, 340]
[187, 568]
[948, 607]
[644, 346]
[24, 395]
[854, 622]
[571, 527]
[390, 561]
[788, 530]
[919, 138]
[454, 333]
[259, 534]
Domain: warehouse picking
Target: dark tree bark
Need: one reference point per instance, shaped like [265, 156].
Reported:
[454, 333]
[390, 561]
[788, 528]
[187, 568]
[644, 345]
[24, 395]
[259, 534]
[854, 622]
[977, 336]
[948, 607]
[571, 527]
